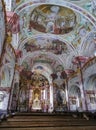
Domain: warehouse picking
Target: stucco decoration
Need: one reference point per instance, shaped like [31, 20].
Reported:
[50, 60]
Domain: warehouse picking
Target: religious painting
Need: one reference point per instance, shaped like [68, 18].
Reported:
[39, 99]
[52, 19]
[53, 45]
[44, 59]
[36, 104]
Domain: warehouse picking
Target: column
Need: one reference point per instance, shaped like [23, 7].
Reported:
[51, 98]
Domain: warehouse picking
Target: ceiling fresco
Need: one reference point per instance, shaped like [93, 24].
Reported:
[53, 32]
[41, 68]
[44, 59]
[40, 19]
[86, 4]
[52, 19]
[47, 44]
[89, 5]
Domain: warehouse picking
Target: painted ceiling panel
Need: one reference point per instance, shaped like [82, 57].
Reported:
[52, 19]
[47, 44]
[38, 58]
[36, 19]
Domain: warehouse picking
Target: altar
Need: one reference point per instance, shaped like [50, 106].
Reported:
[36, 105]
[39, 99]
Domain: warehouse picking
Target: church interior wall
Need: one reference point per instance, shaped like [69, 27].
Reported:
[36, 44]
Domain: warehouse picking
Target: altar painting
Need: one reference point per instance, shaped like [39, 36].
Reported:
[39, 99]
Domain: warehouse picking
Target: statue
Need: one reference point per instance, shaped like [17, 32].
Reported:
[61, 97]
[36, 102]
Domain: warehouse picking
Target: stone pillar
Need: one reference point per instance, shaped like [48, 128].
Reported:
[51, 98]
[83, 98]
[15, 81]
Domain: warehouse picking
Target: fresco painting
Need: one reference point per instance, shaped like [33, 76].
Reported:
[49, 44]
[52, 19]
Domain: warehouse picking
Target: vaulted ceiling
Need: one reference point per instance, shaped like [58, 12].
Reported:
[53, 32]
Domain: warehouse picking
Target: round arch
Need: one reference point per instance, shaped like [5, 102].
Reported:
[74, 98]
[90, 89]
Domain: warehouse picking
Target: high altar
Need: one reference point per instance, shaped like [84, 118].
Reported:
[39, 99]
[36, 105]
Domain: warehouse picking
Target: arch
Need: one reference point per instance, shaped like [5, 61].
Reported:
[75, 98]
[90, 89]
[88, 45]
[63, 3]
[49, 36]
[90, 83]
[74, 90]
[55, 60]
